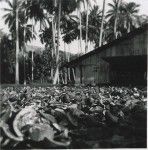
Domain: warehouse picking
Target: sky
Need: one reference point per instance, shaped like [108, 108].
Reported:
[74, 46]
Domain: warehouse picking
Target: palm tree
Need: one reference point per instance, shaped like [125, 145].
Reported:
[88, 5]
[17, 47]
[130, 13]
[79, 5]
[24, 56]
[12, 19]
[102, 21]
[34, 11]
[56, 76]
[79, 8]
[24, 47]
[86, 35]
[94, 20]
[55, 14]
[16, 21]
[52, 13]
[114, 14]
[122, 16]
[116, 18]
[32, 56]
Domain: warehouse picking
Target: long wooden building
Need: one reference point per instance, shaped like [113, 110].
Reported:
[123, 61]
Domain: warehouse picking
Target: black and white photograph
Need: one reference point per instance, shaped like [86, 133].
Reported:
[73, 74]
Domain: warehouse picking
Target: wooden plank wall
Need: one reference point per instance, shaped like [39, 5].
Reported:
[94, 70]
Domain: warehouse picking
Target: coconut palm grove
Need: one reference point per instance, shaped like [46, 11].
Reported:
[83, 84]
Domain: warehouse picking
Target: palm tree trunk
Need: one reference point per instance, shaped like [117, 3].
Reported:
[86, 36]
[32, 75]
[54, 45]
[17, 48]
[53, 35]
[80, 29]
[62, 79]
[52, 69]
[116, 19]
[74, 76]
[78, 40]
[65, 74]
[65, 58]
[115, 28]
[56, 76]
[68, 59]
[101, 29]
[51, 73]
[65, 54]
[24, 50]
[129, 27]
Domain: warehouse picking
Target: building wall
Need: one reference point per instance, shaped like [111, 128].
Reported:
[94, 69]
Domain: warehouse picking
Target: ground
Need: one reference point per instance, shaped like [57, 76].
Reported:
[73, 117]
